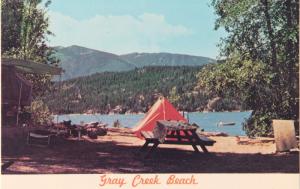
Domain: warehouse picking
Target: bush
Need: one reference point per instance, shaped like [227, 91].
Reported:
[40, 114]
[259, 124]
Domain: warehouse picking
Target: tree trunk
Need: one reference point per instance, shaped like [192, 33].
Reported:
[291, 54]
[270, 34]
[290, 51]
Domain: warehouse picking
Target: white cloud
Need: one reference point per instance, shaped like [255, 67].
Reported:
[117, 34]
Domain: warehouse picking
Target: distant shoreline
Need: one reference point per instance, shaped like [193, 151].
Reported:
[141, 113]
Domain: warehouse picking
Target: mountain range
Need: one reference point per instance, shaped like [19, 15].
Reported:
[80, 61]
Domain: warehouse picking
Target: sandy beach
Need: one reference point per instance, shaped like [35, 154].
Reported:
[117, 153]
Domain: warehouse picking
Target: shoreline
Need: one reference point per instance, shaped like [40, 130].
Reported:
[111, 114]
[206, 121]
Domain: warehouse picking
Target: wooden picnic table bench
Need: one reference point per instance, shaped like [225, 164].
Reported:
[173, 132]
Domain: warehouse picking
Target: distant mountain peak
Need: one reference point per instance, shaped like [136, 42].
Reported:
[81, 61]
[166, 59]
[162, 53]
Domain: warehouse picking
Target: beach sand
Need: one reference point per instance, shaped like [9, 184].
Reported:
[117, 153]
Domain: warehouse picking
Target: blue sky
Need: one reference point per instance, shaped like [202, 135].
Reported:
[125, 26]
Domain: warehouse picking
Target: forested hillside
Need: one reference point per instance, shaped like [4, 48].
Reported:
[133, 91]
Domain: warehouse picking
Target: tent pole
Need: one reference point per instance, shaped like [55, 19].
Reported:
[164, 108]
[19, 103]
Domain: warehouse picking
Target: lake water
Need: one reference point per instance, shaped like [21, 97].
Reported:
[207, 121]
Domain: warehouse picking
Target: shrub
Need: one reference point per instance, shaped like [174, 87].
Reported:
[40, 114]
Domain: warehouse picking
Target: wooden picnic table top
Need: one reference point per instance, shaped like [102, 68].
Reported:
[176, 125]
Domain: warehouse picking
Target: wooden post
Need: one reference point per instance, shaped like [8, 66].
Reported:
[19, 103]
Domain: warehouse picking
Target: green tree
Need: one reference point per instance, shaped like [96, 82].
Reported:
[174, 96]
[11, 12]
[24, 36]
[261, 59]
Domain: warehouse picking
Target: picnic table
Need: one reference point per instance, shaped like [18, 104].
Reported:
[175, 132]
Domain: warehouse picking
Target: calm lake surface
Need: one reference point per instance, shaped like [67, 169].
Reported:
[207, 121]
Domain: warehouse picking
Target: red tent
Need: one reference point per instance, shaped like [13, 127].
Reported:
[161, 110]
